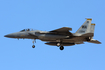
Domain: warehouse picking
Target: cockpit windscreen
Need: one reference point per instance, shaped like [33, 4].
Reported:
[25, 30]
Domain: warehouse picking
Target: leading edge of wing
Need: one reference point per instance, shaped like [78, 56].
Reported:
[63, 29]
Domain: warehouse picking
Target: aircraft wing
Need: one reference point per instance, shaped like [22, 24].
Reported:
[63, 30]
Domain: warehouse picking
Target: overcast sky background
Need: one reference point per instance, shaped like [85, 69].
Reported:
[47, 15]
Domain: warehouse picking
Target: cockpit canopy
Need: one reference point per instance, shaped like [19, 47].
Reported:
[29, 30]
[26, 30]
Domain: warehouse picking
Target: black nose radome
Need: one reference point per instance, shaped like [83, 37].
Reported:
[9, 35]
[6, 36]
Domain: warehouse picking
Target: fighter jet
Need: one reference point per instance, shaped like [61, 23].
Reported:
[60, 37]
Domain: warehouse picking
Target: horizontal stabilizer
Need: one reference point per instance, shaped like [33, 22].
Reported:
[94, 41]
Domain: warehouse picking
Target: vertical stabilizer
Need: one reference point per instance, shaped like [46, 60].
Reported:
[92, 28]
[85, 28]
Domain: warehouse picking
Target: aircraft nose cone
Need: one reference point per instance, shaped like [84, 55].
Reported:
[9, 35]
[6, 36]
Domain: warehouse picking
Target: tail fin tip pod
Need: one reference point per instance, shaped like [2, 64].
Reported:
[93, 24]
[89, 19]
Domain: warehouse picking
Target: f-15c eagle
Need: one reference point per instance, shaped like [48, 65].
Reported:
[60, 37]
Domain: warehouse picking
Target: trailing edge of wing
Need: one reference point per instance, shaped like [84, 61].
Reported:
[63, 29]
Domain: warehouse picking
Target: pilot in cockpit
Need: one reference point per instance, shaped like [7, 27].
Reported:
[25, 30]
[28, 29]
